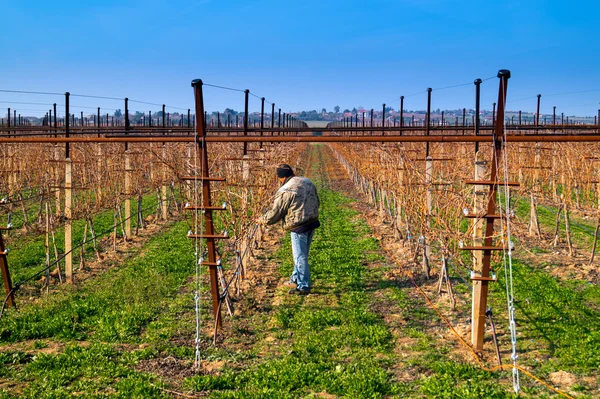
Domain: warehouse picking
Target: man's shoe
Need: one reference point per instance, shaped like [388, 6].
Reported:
[290, 283]
[299, 291]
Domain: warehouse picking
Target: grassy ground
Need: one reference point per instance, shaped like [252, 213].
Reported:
[360, 334]
[27, 255]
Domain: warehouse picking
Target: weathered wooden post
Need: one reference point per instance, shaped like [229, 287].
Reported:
[482, 279]
[128, 194]
[68, 199]
[163, 196]
[429, 204]
[68, 221]
[5, 272]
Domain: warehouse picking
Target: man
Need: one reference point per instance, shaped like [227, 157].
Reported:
[297, 205]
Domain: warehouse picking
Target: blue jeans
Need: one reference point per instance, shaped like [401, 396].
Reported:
[300, 247]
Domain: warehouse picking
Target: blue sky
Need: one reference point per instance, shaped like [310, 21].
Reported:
[302, 54]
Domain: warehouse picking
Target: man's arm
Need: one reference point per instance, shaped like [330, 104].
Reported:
[278, 211]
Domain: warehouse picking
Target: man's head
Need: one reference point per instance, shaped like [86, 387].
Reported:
[284, 171]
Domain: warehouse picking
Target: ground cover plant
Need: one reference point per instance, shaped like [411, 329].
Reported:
[364, 332]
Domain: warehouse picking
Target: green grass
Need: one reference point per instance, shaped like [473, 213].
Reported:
[338, 344]
[113, 307]
[557, 321]
[582, 232]
[99, 370]
[334, 341]
[27, 256]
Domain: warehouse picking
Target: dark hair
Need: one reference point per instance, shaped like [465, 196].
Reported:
[284, 170]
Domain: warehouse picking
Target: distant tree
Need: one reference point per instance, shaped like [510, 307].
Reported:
[118, 113]
[230, 111]
[346, 110]
[354, 110]
[323, 111]
[336, 109]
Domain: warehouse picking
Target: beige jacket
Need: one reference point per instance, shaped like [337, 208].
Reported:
[296, 203]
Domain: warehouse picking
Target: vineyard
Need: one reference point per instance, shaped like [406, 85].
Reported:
[454, 260]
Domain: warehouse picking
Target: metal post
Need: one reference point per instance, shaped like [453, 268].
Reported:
[189, 119]
[272, 117]
[401, 112]
[494, 114]
[164, 120]
[67, 113]
[480, 287]
[427, 127]
[537, 114]
[554, 115]
[477, 109]
[208, 220]
[262, 118]
[246, 94]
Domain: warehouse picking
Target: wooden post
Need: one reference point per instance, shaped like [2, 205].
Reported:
[127, 195]
[164, 185]
[246, 240]
[480, 297]
[68, 222]
[478, 209]
[534, 225]
[429, 200]
[6, 274]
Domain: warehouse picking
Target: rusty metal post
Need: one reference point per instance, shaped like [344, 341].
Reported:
[98, 119]
[208, 220]
[246, 94]
[67, 111]
[537, 113]
[427, 119]
[401, 112]
[480, 293]
[126, 113]
[383, 120]
[279, 121]
[519, 117]
[477, 109]
[262, 118]
[272, 117]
